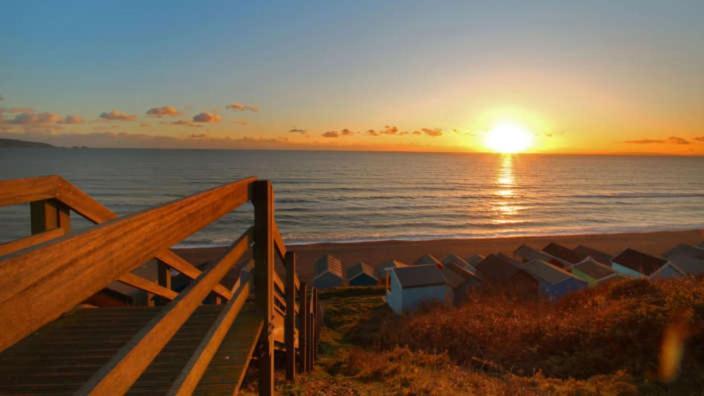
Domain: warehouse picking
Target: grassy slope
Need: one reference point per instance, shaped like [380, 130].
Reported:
[608, 339]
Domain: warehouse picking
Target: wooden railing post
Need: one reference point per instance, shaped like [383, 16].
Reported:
[290, 324]
[316, 325]
[309, 331]
[303, 323]
[164, 279]
[48, 214]
[263, 200]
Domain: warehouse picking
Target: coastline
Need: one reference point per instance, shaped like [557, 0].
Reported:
[377, 252]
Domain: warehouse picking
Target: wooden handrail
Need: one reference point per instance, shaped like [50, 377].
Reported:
[118, 375]
[38, 285]
[48, 273]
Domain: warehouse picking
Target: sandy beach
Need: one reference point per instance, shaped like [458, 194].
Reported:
[375, 253]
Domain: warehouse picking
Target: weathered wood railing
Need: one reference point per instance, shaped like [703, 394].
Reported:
[48, 273]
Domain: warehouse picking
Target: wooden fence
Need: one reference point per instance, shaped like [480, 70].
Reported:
[47, 274]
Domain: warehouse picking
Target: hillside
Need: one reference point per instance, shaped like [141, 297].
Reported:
[14, 143]
[603, 341]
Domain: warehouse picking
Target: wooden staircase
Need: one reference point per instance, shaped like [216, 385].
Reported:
[51, 344]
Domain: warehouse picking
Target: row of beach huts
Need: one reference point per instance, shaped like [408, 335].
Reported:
[552, 272]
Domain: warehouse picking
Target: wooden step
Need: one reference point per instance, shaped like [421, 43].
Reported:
[60, 357]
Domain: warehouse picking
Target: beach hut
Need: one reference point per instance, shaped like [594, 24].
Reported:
[409, 287]
[554, 281]
[592, 271]
[525, 253]
[474, 259]
[328, 272]
[428, 259]
[459, 261]
[689, 259]
[561, 256]
[500, 272]
[461, 280]
[361, 274]
[387, 266]
[585, 251]
[634, 264]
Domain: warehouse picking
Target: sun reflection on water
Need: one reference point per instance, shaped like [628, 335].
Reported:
[505, 182]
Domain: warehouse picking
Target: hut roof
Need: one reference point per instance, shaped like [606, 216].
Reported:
[639, 261]
[562, 253]
[428, 259]
[456, 275]
[388, 265]
[453, 258]
[594, 268]
[684, 250]
[585, 251]
[528, 253]
[474, 259]
[328, 263]
[419, 276]
[545, 272]
[360, 268]
[689, 265]
[497, 267]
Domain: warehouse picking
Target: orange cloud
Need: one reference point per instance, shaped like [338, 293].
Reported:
[297, 130]
[699, 139]
[163, 111]
[242, 107]
[331, 134]
[36, 119]
[185, 123]
[72, 119]
[207, 117]
[670, 140]
[117, 115]
[432, 132]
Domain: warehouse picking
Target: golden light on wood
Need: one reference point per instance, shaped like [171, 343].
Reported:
[508, 137]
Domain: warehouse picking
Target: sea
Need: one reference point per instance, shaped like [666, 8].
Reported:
[330, 196]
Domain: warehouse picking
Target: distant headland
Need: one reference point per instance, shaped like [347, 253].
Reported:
[14, 143]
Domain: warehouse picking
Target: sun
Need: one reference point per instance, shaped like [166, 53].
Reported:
[508, 137]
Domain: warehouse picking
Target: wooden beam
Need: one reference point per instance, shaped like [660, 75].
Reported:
[263, 200]
[123, 369]
[27, 242]
[311, 329]
[304, 326]
[21, 191]
[279, 244]
[190, 375]
[38, 285]
[290, 325]
[163, 274]
[148, 286]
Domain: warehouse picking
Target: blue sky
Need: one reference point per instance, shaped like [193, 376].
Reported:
[591, 68]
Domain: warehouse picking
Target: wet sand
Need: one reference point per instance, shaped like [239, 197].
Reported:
[375, 253]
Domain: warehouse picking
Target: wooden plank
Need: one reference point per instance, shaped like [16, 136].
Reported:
[303, 332]
[38, 285]
[146, 285]
[311, 329]
[263, 200]
[20, 191]
[290, 325]
[229, 366]
[191, 374]
[27, 242]
[127, 365]
[279, 244]
[180, 264]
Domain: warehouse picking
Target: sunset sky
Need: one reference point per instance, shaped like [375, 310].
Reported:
[583, 77]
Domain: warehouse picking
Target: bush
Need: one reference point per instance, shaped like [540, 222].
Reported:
[616, 326]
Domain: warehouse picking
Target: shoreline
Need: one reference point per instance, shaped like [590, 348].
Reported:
[378, 252]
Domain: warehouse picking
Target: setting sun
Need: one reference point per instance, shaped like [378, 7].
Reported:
[508, 137]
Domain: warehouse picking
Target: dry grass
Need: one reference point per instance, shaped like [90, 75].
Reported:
[616, 327]
[604, 341]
